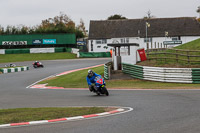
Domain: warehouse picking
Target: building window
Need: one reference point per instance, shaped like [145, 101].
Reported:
[98, 41]
[104, 41]
[127, 40]
[91, 45]
[101, 41]
[174, 38]
[122, 40]
[147, 39]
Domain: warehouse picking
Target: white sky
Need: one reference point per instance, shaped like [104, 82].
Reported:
[32, 12]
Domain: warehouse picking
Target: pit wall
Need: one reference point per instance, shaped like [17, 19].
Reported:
[162, 74]
[38, 50]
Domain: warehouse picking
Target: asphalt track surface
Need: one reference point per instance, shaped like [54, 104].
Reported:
[154, 111]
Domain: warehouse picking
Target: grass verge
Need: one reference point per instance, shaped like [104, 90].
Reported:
[72, 80]
[78, 80]
[32, 57]
[36, 114]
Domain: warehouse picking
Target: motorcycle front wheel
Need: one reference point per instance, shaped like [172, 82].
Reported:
[105, 91]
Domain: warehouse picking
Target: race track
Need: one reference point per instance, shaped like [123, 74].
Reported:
[154, 111]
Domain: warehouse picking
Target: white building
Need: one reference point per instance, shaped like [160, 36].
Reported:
[148, 33]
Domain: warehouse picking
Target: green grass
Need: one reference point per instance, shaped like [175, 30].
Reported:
[32, 57]
[36, 114]
[78, 80]
[142, 84]
[73, 80]
[193, 45]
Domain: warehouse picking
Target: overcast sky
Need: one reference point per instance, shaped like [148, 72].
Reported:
[32, 12]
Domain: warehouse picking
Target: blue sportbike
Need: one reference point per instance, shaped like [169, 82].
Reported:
[101, 86]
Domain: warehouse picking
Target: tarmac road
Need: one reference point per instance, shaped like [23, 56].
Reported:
[154, 111]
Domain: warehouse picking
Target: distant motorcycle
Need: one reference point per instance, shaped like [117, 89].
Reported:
[37, 65]
[101, 86]
[10, 65]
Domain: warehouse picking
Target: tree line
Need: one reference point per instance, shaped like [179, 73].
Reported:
[59, 24]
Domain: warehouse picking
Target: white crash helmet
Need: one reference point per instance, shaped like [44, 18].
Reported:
[90, 73]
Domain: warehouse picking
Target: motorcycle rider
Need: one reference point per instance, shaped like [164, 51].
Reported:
[91, 80]
[36, 62]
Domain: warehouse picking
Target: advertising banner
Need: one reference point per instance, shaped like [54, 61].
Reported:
[37, 41]
[81, 43]
[14, 42]
[49, 41]
[172, 42]
[142, 54]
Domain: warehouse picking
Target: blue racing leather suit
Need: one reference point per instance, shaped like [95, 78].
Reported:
[90, 80]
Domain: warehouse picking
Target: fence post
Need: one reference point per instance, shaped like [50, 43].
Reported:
[188, 57]
[177, 56]
[147, 48]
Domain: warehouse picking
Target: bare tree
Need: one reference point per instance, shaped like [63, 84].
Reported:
[149, 15]
[81, 27]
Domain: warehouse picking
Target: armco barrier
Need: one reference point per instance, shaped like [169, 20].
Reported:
[133, 70]
[162, 74]
[42, 50]
[16, 69]
[94, 54]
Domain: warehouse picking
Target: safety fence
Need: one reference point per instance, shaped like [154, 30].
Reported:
[175, 55]
[94, 54]
[15, 69]
[107, 70]
[162, 74]
[38, 50]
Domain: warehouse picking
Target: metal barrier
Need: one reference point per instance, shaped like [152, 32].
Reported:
[162, 74]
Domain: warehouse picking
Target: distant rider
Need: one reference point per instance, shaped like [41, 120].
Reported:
[36, 62]
[91, 80]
